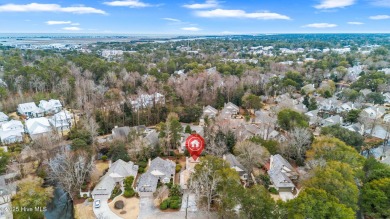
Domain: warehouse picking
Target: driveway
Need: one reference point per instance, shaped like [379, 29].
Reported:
[104, 212]
[189, 199]
[146, 206]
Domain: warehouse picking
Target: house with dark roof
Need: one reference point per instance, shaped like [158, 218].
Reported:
[281, 174]
[236, 165]
[159, 170]
[115, 175]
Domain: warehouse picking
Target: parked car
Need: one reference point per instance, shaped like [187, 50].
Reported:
[97, 203]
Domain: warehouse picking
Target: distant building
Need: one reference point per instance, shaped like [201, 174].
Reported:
[38, 127]
[3, 117]
[61, 121]
[147, 100]
[30, 110]
[237, 166]
[51, 106]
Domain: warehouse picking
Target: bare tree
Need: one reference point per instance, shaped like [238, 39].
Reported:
[299, 140]
[70, 170]
[251, 154]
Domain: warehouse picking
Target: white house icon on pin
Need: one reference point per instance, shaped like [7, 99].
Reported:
[195, 144]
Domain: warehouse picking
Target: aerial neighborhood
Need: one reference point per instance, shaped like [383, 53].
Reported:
[289, 126]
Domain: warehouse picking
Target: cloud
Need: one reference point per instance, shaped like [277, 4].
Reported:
[355, 23]
[75, 24]
[207, 4]
[57, 22]
[36, 7]
[171, 19]
[72, 28]
[328, 4]
[380, 17]
[320, 25]
[381, 3]
[128, 3]
[222, 13]
[191, 29]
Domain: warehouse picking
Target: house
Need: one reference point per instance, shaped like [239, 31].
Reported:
[11, 136]
[365, 92]
[3, 117]
[331, 104]
[30, 110]
[313, 117]
[356, 127]
[115, 175]
[51, 106]
[386, 118]
[333, 120]
[61, 121]
[209, 112]
[13, 125]
[120, 133]
[246, 131]
[237, 166]
[346, 107]
[281, 174]
[378, 132]
[387, 97]
[374, 112]
[151, 137]
[159, 171]
[309, 88]
[37, 127]
[229, 110]
[147, 100]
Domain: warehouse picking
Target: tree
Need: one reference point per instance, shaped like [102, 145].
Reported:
[251, 101]
[312, 104]
[256, 202]
[270, 145]
[376, 198]
[31, 194]
[188, 129]
[349, 137]
[287, 119]
[299, 140]
[191, 114]
[336, 179]
[211, 176]
[353, 116]
[118, 151]
[4, 158]
[250, 154]
[333, 149]
[376, 98]
[79, 144]
[316, 203]
[70, 170]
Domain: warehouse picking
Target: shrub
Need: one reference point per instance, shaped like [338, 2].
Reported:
[104, 157]
[129, 193]
[141, 170]
[175, 204]
[178, 168]
[90, 199]
[273, 190]
[85, 196]
[164, 205]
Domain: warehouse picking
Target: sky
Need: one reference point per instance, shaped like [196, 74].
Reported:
[194, 17]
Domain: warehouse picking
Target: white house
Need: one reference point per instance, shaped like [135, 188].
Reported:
[11, 136]
[3, 117]
[37, 127]
[30, 110]
[118, 171]
[51, 106]
[146, 100]
[61, 121]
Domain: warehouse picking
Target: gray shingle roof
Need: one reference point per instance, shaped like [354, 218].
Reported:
[280, 172]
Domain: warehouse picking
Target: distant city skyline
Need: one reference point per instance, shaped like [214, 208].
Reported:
[195, 17]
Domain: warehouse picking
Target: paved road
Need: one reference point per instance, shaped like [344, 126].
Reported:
[191, 202]
[104, 212]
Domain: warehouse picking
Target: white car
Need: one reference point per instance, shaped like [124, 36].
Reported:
[97, 203]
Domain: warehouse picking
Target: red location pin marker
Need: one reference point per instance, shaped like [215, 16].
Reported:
[195, 145]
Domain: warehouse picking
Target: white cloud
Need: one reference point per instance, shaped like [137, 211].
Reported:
[328, 4]
[128, 3]
[36, 7]
[222, 13]
[207, 4]
[320, 25]
[355, 23]
[381, 3]
[380, 17]
[191, 29]
[75, 24]
[72, 28]
[171, 19]
[57, 22]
